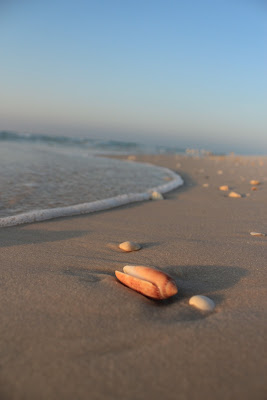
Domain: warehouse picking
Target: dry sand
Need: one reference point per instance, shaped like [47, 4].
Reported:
[70, 330]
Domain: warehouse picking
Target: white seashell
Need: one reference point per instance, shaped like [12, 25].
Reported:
[202, 302]
[224, 188]
[234, 194]
[148, 281]
[257, 234]
[129, 246]
[156, 196]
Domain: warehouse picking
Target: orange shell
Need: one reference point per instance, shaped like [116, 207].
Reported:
[148, 281]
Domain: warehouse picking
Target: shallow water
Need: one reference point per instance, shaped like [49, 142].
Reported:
[37, 176]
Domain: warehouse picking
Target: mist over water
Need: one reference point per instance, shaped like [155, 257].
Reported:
[91, 144]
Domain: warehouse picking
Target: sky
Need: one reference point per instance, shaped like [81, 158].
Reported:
[189, 73]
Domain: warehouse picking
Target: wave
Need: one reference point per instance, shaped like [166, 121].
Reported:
[99, 205]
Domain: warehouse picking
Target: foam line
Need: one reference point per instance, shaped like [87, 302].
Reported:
[99, 205]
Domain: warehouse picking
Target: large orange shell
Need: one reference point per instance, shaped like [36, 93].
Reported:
[147, 281]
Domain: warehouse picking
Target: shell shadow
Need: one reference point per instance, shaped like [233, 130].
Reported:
[146, 245]
[14, 236]
[202, 279]
[86, 276]
[207, 280]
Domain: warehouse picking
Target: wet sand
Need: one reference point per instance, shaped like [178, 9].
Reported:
[70, 330]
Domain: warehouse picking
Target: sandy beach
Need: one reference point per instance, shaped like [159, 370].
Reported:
[70, 330]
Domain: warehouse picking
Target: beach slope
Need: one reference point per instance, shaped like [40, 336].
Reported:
[70, 330]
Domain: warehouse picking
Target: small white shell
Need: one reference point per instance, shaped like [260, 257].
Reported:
[156, 196]
[202, 302]
[129, 246]
[257, 234]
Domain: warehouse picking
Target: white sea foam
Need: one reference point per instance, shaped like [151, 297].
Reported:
[99, 205]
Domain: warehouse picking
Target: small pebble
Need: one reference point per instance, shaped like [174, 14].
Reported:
[205, 185]
[202, 302]
[167, 178]
[156, 196]
[220, 172]
[131, 158]
[253, 182]
[257, 234]
[129, 246]
[224, 188]
[234, 194]
[254, 188]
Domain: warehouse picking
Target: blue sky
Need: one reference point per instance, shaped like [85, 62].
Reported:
[191, 73]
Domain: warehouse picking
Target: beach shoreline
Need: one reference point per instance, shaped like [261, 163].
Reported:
[71, 330]
[174, 181]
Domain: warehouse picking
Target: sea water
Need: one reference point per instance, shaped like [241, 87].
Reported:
[56, 173]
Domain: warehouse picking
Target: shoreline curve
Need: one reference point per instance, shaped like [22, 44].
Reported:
[98, 205]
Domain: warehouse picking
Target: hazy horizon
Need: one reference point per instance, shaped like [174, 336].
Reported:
[189, 74]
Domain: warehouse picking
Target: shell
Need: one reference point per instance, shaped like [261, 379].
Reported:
[224, 188]
[202, 303]
[257, 234]
[254, 182]
[148, 281]
[156, 196]
[129, 246]
[234, 194]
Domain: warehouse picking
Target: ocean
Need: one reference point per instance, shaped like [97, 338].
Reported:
[44, 176]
